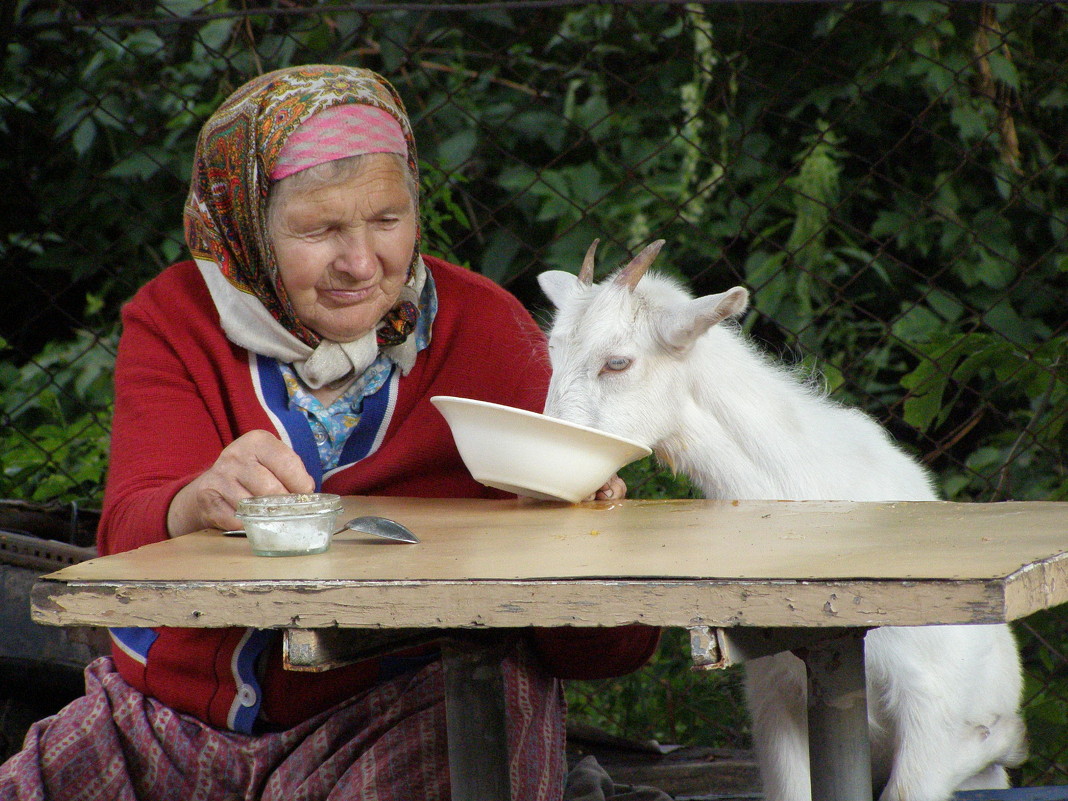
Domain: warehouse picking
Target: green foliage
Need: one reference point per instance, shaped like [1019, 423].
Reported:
[1042, 637]
[56, 410]
[647, 479]
[1030, 386]
[439, 208]
[667, 700]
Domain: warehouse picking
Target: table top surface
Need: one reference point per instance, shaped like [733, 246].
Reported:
[966, 562]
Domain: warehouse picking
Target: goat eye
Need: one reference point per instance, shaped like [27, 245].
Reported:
[616, 364]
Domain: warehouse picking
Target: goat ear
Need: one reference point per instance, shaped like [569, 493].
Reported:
[680, 327]
[559, 286]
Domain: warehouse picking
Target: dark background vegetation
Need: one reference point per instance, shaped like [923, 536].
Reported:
[889, 179]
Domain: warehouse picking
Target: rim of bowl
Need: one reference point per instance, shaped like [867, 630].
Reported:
[437, 400]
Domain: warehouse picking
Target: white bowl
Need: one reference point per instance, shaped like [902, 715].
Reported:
[531, 454]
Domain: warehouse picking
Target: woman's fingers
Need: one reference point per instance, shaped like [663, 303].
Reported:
[256, 463]
[282, 470]
[214, 509]
[614, 489]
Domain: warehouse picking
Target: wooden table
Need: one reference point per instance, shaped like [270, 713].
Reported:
[747, 578]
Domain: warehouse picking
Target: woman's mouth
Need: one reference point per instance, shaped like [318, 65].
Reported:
[344, 297]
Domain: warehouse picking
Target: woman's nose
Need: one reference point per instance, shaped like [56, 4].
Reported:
[356, 255]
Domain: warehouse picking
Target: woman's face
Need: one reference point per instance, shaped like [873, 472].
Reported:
[343, 250]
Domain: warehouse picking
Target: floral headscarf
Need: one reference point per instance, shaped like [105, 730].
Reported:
[226, 219]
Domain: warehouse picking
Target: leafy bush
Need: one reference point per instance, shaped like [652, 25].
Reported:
[57, 418]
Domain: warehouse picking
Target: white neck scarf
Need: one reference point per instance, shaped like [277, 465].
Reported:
[248, 324]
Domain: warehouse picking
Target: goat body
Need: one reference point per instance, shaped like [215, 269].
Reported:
[644, 359]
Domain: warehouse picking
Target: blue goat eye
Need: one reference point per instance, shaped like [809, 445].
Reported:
[617, 364]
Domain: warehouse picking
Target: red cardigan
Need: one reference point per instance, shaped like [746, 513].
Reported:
[183, 392]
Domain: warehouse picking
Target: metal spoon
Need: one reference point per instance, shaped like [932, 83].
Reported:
[381, 527]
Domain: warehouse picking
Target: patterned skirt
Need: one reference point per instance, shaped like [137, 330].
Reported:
[386, 744]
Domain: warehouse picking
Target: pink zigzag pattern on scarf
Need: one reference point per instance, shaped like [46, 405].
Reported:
[339, 132]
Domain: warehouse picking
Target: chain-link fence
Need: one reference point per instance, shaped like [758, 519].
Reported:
[889, 179]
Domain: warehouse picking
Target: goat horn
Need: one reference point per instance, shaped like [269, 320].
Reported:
[630, 275]
[586, 273]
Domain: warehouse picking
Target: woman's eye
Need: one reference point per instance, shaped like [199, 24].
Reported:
[617, 364]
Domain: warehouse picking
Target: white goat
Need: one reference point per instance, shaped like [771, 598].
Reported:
[645, 360]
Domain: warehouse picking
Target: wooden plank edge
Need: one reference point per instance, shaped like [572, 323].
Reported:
[1039, 585]
[517, 603]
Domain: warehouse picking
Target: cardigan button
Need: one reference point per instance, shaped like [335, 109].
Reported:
[246, 695]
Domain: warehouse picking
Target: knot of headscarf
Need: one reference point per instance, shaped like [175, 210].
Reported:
[241, 148]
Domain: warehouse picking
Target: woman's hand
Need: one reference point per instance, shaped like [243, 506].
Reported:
[256, 463]
[615, 489]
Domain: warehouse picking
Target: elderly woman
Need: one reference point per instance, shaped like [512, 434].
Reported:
[298, 352]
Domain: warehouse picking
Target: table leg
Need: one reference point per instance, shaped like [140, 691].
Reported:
[839, 749]
[475, 718]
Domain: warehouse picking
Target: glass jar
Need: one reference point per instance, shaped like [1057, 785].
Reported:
[290, 525]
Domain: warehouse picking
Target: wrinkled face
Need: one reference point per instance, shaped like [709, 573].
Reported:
[343, 249]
